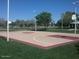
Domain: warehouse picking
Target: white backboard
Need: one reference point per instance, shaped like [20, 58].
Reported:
[74, 17]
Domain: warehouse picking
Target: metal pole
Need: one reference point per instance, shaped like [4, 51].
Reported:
[62, 24]
[35, 25]
[75, 21]
[7, 20]
[75, 3]
[62, 21]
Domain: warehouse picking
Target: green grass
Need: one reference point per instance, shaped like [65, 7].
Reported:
[43, 29]
[62, 31]
[21, 51]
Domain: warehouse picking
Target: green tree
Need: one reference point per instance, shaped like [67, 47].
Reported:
[3, 22]
[22, 23]
[43, 19]
[66, 18]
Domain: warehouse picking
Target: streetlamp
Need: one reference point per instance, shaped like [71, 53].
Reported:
[74, 17]
[62, 21]
[7, 20]
[34, 11]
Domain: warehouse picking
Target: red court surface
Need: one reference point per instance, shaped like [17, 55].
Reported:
[41, 39]
[65, 37]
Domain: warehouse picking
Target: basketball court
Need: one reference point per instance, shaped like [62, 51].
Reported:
[41, 39]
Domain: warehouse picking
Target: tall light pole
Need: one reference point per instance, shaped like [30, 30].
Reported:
[75, 21]
[7, 20]
[75, 17]
[34, 11]
[62, 21]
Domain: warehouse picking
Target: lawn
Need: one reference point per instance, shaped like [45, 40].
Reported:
[17, 50]
[43, 29]
[62, 31]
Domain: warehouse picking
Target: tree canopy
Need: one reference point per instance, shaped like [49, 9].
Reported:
[44, 18]
[66, 18]
[3, 22]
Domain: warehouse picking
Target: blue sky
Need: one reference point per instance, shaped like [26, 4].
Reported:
[27, 9]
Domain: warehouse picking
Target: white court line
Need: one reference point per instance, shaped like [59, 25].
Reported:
[35, 38]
